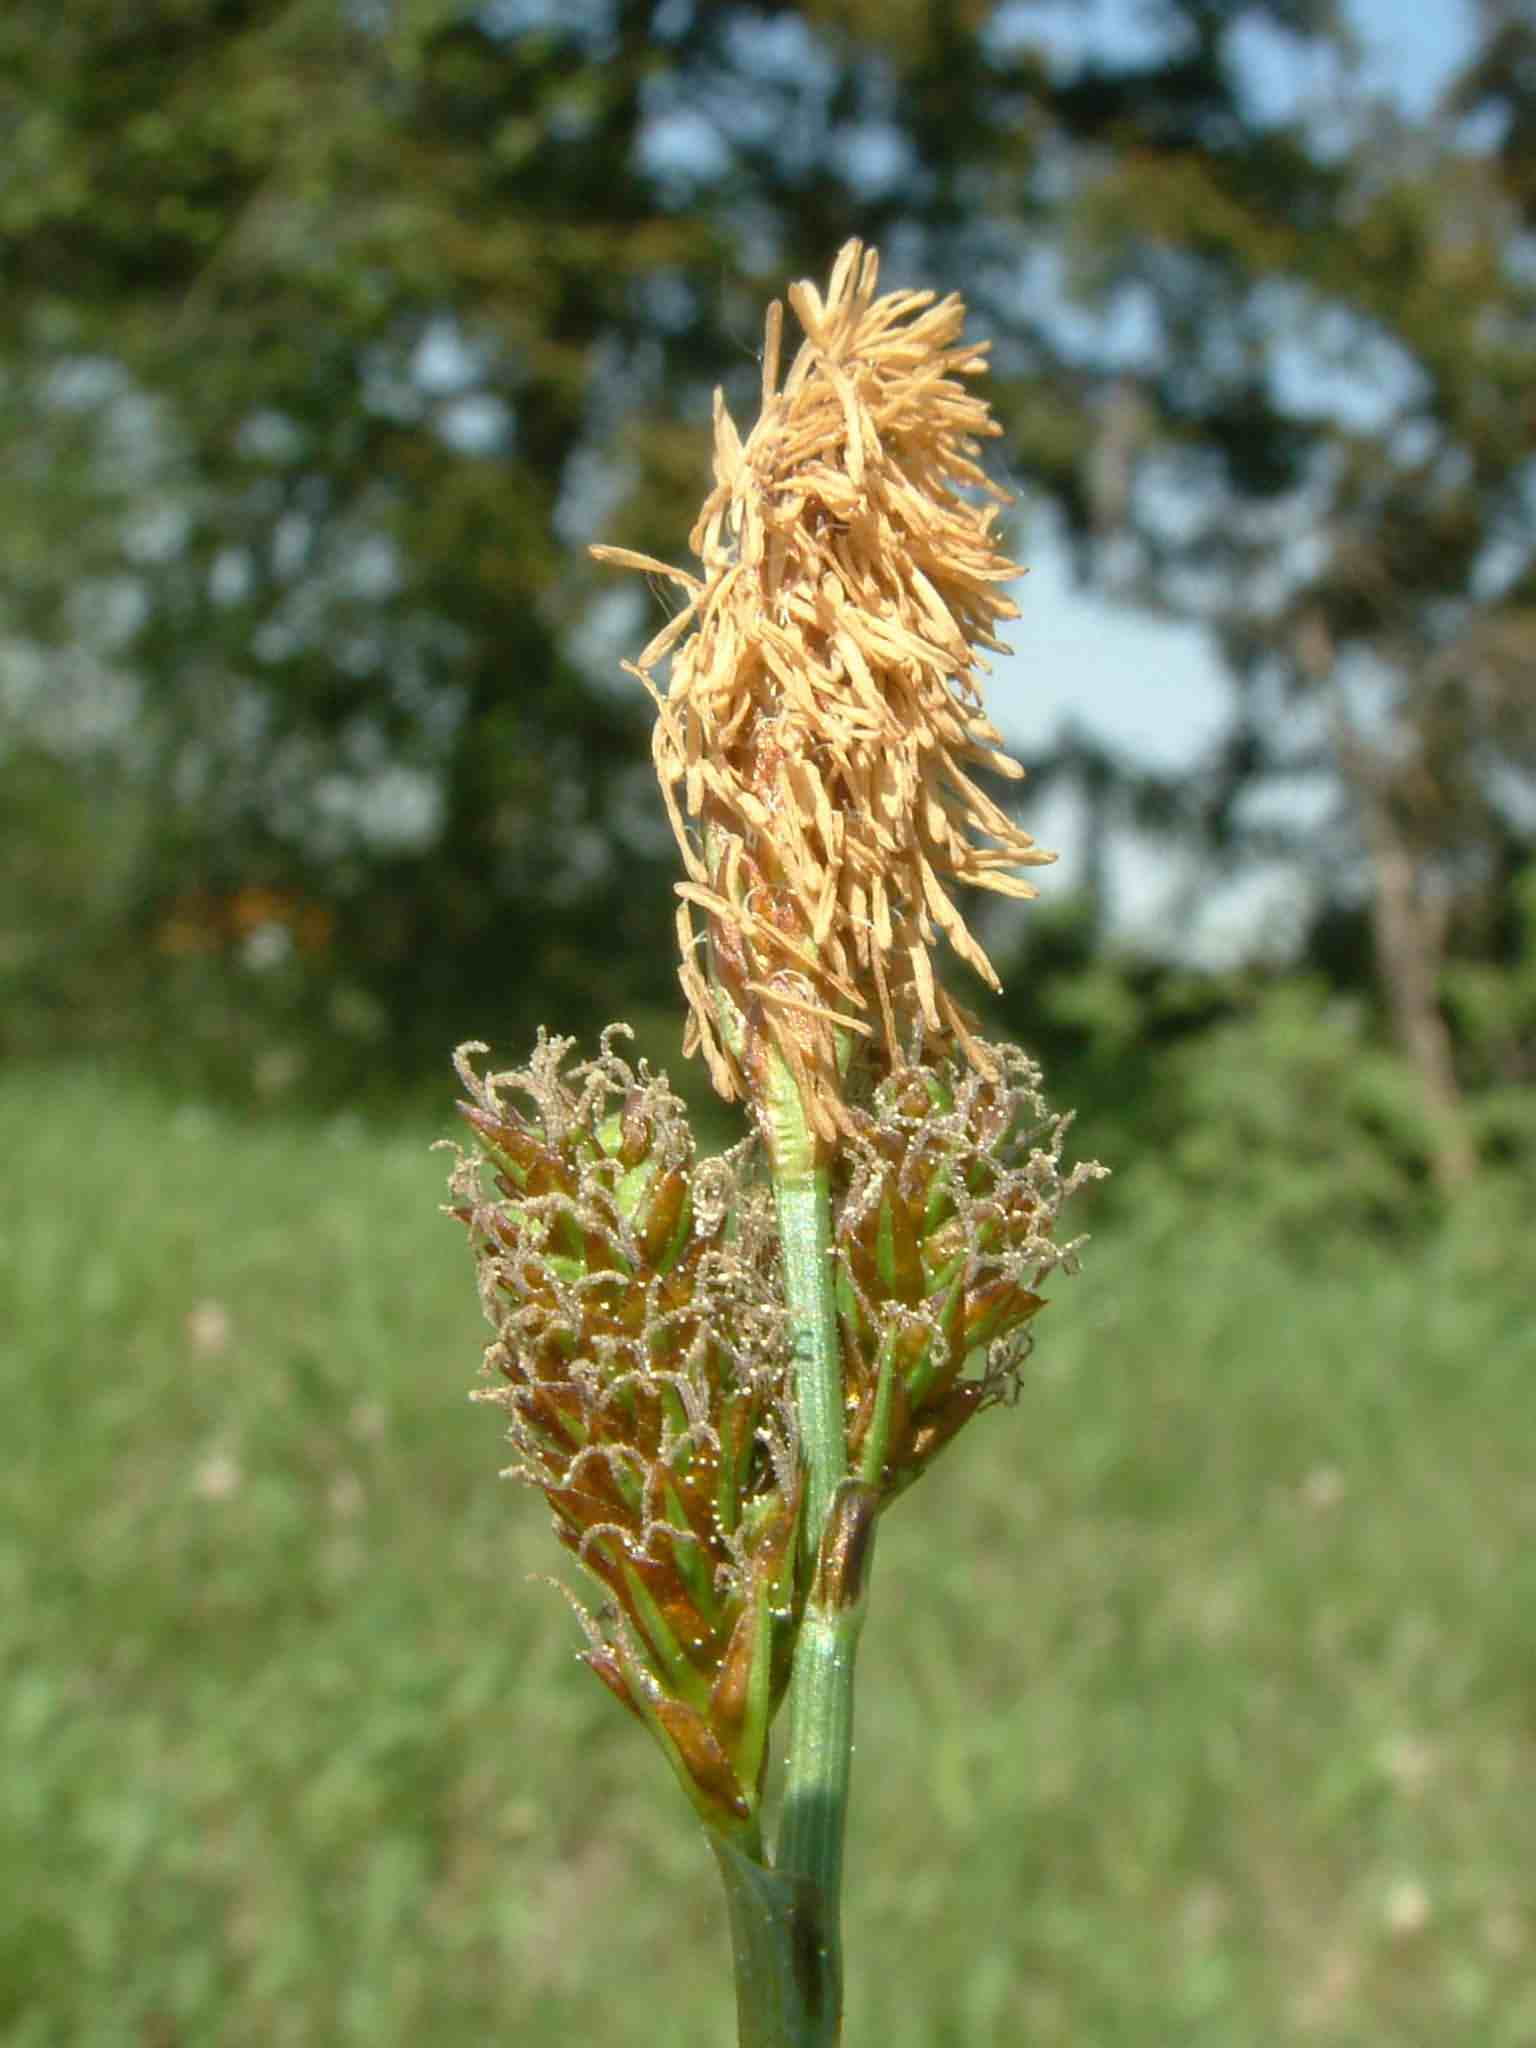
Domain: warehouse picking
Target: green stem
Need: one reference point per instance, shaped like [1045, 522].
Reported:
[802, 1194]
[817, 1767]
[839, 1522]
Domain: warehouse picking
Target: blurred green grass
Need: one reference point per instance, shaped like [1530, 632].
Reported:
[1199, 1699]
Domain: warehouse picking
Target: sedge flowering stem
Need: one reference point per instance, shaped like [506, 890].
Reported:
[820, 731]
[819, 1756]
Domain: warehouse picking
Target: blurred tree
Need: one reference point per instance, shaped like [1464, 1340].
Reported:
[1331, 457]
[334, 327]
[334, 305]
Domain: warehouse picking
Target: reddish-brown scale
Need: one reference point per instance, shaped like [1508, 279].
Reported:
[664, 1208]
[1000, 1304]
[608, 1669]
[942, 1422]
[703, 1757]
[511, 1145]
[638, 1130]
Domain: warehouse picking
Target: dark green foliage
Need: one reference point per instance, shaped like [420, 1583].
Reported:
[1293, 1118]
[1279, 1096]
[1493, 1004]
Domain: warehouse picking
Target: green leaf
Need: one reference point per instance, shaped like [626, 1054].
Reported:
[787, 1990]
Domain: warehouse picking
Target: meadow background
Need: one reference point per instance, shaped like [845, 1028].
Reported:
[1197, 1699]
[1196, 1702]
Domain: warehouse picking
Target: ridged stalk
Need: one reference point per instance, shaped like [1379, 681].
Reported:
[838, 1522]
